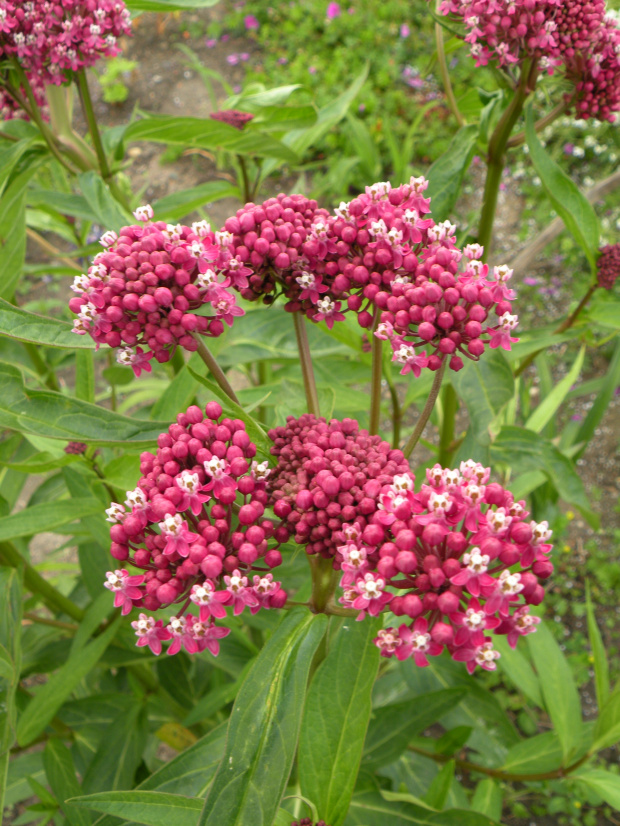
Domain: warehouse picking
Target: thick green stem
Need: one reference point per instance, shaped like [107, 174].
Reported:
[305, 357]
[214, 368]
[497, 152]
[446, 435]
[35, 583]
[375, 380]
[426, 413]
[397, 413]
[324, 581]
[445, 75]
[247, 186]
[46, 373]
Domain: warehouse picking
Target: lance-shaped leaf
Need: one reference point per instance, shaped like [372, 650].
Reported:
[10, 661]
[332, 734]
[46, 517]
[445, 177]
[264, 727]
[60, 773]
[37, 329]
[150, 808]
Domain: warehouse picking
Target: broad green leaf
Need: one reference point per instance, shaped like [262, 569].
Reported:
[558, 688]
[332, 734]
[10, 640]
[114, 765]
[13, 233]
[487, 799]
[110, 215]
[551, 403]
[60, 773]
[602, 400]
[46, 413]
[606, 314]
[485, 386]
[10, 155]
[21, 768]
[37, 329]
[46, 517]
[150, 808]
[604, 783]
[212, 702]
[44, 705]
[264, 727]
[393, 726]
[541, 753]
[178, 395]
[515, 665]
[63, 203]
[601, 666]
[371, 809]
[42, 462]
[445, 177]
[177, 205]
[439, 789]
[607, 729]
[568, 201]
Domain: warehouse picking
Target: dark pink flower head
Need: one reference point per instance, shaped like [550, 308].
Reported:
[330, 474]
[459, 561]
[608, 266]
[443, 309]
[233, 117]
[52, 39]
[194, 529]
[153, 288]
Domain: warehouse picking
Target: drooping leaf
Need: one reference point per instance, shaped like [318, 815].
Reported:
[150, 808]
[445, 177]
[332, 735]
[264, 726]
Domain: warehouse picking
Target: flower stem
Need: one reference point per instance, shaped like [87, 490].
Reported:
[324, 580]
[397, 413]
[426, 413]
[375, 381]
[446, 436]
[496, 154]
[541, 123]
[445, 75]
[247, 187]
[307, 371]
[214, 368]
[35, 583]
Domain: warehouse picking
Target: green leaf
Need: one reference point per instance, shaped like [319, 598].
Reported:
[551, 403]
[607, 729]
[253, 428]
[178, 395]
[13, 233]
[485, 386]
[568, 201]
[439, 789]
[168, 5]
[177, 205]
[541, 753]
[109, 214]
[213, 702]
[46, 413]
[48, 516]
[487, 799]
[558, 688]
[44, 705]
[114, 765]
[10, 639]
[601, 666]
[602, 400]
[371, 809]
[25, 326]
[516, 667]
[85, 376]
[606, 314]
[150, 808]
[264, 726]
[392, 727]
[445, 177]
[604, 783]
[332, 734]
[61, 777]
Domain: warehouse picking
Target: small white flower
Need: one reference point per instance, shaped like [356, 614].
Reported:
[201, 228]
[116, 512]
[144, 213]
[108, 238]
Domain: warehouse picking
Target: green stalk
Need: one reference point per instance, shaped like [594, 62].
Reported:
[214, 368]
[376, 375]
[445, 75]
[497, 153]
[446, 435]
[305, 357]
[35, 583]
[324, 581]
[426, 413]
[247, 187]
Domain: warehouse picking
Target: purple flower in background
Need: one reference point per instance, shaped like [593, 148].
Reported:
[312, 70]
[211, 42]
[282, 61]
[569, 148]
[412, 78]
[244, 56]
[333, 10]
[224, 38]
[362, 107]
[251, 23]
[405, 31]
[232, 59]
[576, 417]
[531, 280]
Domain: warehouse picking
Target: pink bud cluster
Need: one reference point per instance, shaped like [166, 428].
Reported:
[50, 39]
[608, 266]
[233, 117]
[148, 291]
[327, 475]
[194, 525]
[459, 560]
[279, 241]
[446, 309]
[572, 34]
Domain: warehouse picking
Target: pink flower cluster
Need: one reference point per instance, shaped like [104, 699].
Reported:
[233, 117]
[51, 39]
[572, 34]
[459, 560]
[194, 525]
[608, 266]
[327, 475]
[444, 309]
[143, 293]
